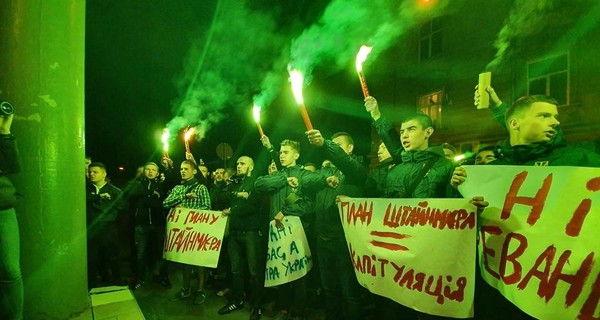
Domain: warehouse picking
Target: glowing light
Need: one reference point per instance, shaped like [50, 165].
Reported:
[188, 134]
[256, 113]
[165, 139]
[362, 56]
[297, 81]
[464, 156]
[459, 158]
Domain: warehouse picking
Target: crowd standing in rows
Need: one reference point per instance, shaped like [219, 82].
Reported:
[255, 193]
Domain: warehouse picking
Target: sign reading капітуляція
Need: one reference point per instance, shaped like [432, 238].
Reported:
[417, 252]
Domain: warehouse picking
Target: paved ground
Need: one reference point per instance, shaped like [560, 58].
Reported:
[155, 302]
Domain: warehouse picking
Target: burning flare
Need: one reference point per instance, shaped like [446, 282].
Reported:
[297, 81]
[360, 59]
[362, 56]
[256, 114]
[188, 134]
[165, 139]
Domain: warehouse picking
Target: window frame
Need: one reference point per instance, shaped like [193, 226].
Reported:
[439, 104]
[548, 76]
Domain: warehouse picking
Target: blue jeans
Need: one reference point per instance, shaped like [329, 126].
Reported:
[245, 252]
[11, 283]
[341, 289]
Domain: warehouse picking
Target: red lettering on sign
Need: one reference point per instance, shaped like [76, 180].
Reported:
[487, 251]
[363, 212]
[516, 275]
[537, 202]
[591, 303]
[574, 226]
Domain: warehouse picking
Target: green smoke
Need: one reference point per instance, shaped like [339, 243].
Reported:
[225, 66]
[333, 41]
[347, 24]
[525, 18]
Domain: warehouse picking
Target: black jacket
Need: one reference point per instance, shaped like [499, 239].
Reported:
[283, 197]
[245, 213]
[146, 197]
[351, 174]
[101, 210]
[375, 185]
[434, 184]
[553, 153]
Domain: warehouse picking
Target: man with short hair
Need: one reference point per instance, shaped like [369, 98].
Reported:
[376, 180]
[534, 140]
[146, 195]
[288, 198]
[88, 161]
[485, 155]
[347, 178]
[189, 194]
[423, 171]
[104, 202]
[420, 172]
[245, 240]
[218, 175]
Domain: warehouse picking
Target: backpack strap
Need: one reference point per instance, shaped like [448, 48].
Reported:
[420, 176]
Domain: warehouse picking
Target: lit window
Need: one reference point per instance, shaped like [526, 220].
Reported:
[431, 105]
[550, 77]
[430, 39]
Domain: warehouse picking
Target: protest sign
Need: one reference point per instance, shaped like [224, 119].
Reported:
[194, 236]
[539, 237]
[417, 252]
[288, 256]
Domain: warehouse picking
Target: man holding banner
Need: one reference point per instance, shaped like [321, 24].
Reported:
[516, 228]
[189, 194]
[288, 198]
[421, 172]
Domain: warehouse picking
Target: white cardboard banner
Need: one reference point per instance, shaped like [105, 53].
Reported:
[417, 252]
[194, 237]
[539, 237]
[288, 256]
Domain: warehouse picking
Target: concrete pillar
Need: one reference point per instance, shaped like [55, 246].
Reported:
[42, 45]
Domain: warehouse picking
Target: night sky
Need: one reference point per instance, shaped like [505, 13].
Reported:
[137, 53]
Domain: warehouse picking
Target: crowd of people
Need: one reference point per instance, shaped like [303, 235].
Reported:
[256, 193]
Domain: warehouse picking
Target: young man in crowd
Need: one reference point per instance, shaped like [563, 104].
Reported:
[245, 243]
[104, 202]
[421, 171]
[191, 194]
[146, 194]
[347, 178]
[533, 140]
[287, 197]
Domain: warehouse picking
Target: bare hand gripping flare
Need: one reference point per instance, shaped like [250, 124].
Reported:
[297, 81]
[360, 59]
